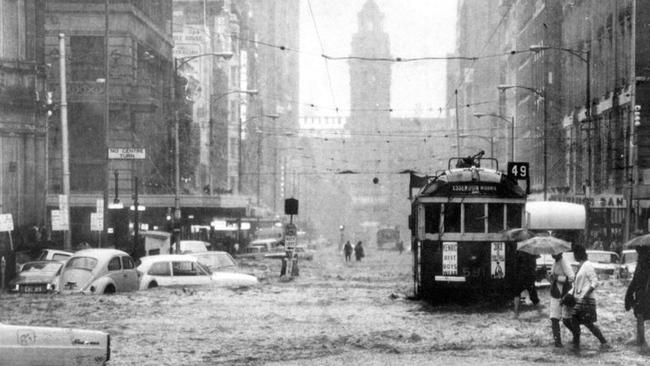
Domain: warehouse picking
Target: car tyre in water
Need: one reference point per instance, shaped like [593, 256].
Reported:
[152, 285]
[110, 289]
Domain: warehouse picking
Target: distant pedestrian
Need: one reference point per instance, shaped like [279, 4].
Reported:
[584, 311]
[347, 249]
[358, 251]
[400, 246]
[524, 279]
[561, 278]
[638, 295]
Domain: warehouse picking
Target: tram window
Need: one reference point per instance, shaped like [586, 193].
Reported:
[452, 217]
[495, 217]
[514, 216]
[474, 218]
[432, 218]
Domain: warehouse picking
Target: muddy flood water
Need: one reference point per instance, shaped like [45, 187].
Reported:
[334, 313]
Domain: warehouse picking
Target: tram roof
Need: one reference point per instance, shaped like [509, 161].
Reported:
[470, 180]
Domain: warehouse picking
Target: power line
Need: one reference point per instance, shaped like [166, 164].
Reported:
[322, 49]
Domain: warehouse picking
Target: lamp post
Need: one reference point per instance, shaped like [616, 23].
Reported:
[511, 121]
[584, 56]
[178, 63]
[211, 140]
[541, 94]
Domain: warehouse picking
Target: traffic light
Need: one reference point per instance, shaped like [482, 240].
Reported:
[49, 103]
[637, 115]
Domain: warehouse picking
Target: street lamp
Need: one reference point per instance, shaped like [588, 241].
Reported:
[584, 56]
[511, 121]
[178, 63]
[541, 94]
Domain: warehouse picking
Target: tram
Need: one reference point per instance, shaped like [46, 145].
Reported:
[458, 219]
[387, 238]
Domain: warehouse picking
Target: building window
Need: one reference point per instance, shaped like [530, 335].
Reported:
[87, 58]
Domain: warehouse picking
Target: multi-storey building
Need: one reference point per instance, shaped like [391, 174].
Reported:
[21, 119]
[571, 74]
[269, 35]
[139, 110]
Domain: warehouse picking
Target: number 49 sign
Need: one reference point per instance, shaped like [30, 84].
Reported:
[519, 170]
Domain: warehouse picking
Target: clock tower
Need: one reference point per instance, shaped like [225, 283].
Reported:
[369, 79]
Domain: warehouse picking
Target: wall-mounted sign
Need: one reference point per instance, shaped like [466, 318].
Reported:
[6, 222]
[126, 153]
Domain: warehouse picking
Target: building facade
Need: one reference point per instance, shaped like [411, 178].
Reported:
[571, 74]
[139, 109]
[22, 118]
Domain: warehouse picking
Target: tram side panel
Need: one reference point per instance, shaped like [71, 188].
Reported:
[482, 268]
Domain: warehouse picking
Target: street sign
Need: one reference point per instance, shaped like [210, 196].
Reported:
[59, 222]
[96, 221]
[6, 222]
[128, 153]
[290, 242]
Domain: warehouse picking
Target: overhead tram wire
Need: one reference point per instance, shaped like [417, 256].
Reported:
[322, 49]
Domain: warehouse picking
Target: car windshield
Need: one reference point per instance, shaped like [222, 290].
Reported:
[204, 268]
[216, 260]
[41, 267]
[602, 257]
[630, 257]
[86, 263]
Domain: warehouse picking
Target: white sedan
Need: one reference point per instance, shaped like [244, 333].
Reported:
[30, 346]
[186, 270]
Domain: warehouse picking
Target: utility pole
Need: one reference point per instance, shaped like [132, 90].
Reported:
[107, 170]
[457, 126]
[67, 245]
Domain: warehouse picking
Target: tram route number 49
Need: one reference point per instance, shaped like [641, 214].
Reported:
[519, 170]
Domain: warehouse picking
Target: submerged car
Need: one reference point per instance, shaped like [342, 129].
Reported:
[37, 277]
[99, 271]
[629, 258]
[217, 261]
[606, 264]
[191, 246]
[28, 346]
[186, 270]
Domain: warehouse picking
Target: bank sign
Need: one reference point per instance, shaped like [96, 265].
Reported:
[597, 201]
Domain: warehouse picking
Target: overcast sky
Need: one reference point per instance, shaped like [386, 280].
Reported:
[417, 28]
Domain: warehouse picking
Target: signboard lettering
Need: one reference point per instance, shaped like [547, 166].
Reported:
[6, 222]
[126, 153]
[498, 260]
[449, 258]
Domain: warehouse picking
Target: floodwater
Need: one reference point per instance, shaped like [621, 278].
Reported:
[334, 313]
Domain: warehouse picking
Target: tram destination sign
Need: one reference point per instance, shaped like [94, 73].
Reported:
[126, 153]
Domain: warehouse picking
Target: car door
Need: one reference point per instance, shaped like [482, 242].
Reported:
[129, 274]
[186, 272]
[161, 272]
[114, 268]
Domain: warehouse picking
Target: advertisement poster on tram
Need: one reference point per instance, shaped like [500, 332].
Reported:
[449, 259]
[497, 267]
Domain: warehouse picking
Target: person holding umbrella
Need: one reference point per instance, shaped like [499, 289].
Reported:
[561, 278]
[638, 294]
[525, 277]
